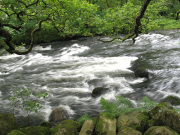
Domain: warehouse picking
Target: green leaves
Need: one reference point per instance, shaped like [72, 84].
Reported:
[25, 99]
[83, 118]
[124, 105]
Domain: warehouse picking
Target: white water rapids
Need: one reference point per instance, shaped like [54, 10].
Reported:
[71, 70]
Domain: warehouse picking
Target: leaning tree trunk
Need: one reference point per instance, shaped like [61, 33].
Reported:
[135, 33]
[139, 16]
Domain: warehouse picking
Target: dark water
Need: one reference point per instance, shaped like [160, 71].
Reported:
[71, 70]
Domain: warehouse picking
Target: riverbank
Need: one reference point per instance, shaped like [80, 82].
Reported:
[159, 120]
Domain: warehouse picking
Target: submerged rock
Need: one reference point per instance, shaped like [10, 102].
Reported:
[67, 127]
[164, 115]
[99, 91]
[7, 123]
[160, 130]
[128, 131]
[137, 120]
[58, 115]
[172, 99]
[105, 126]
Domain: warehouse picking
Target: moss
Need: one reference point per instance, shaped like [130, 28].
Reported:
[94, 120]
[172, 99]
[99, 125]
[45, 124]
[161, 106]
[67, 127]
[128, 131]
[16, 132]
[7, 123]
[36, 130]
[105, 125]
[150, 123]
[160, 130]
[137, 120]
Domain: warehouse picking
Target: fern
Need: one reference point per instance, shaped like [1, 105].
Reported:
[83, 118]
[124, 105]
[146, 104]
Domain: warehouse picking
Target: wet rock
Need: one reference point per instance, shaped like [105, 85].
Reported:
[128, 131]
[164, 115]
[141, 68]
[172, 99]
[99, 91]
[137, 120]
[67, 127]
[58, 115]
[105, 126]
[16, 132]
[7, 123]
[141, 72]
[160, 130]
[36, 130]
[87, 128]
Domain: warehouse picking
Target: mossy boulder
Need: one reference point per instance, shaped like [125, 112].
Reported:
[67, 127]
[105, 125]
[58, 115]
[128, 131]
[16, 132]
[161, 106]
[99, 91]
[165, 115]
[137, 120]
[36, 130]
[45, 124]
[160, 130]
[87, 128]
[7, 123]
[172, 99]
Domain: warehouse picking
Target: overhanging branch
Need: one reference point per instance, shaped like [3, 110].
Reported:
[135, 33]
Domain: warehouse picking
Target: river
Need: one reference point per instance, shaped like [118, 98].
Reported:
[70, 70]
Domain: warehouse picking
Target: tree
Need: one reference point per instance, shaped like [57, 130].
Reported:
[19, 10]
[65, 17]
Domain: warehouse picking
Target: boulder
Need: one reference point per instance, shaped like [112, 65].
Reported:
[7, 123]
[137, 120]
[140, 68]
[67, 127]
[16, 132]
[128, 131]
[164, 115]
[45, 124]
[99, 91]
[58, 115]
[105, 126]
[172, 99]
[36, 130]
[160, 130]
[87, 128]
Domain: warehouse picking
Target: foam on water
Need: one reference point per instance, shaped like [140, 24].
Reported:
[41, 48]
[69, 76]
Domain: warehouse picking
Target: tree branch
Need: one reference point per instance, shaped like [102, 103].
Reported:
[135, 33]
[177, 15]
[12, 26]
[8, 39]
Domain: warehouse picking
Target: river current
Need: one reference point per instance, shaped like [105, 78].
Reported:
[70, 70]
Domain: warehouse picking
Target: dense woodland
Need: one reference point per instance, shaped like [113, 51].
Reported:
[53, 20]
